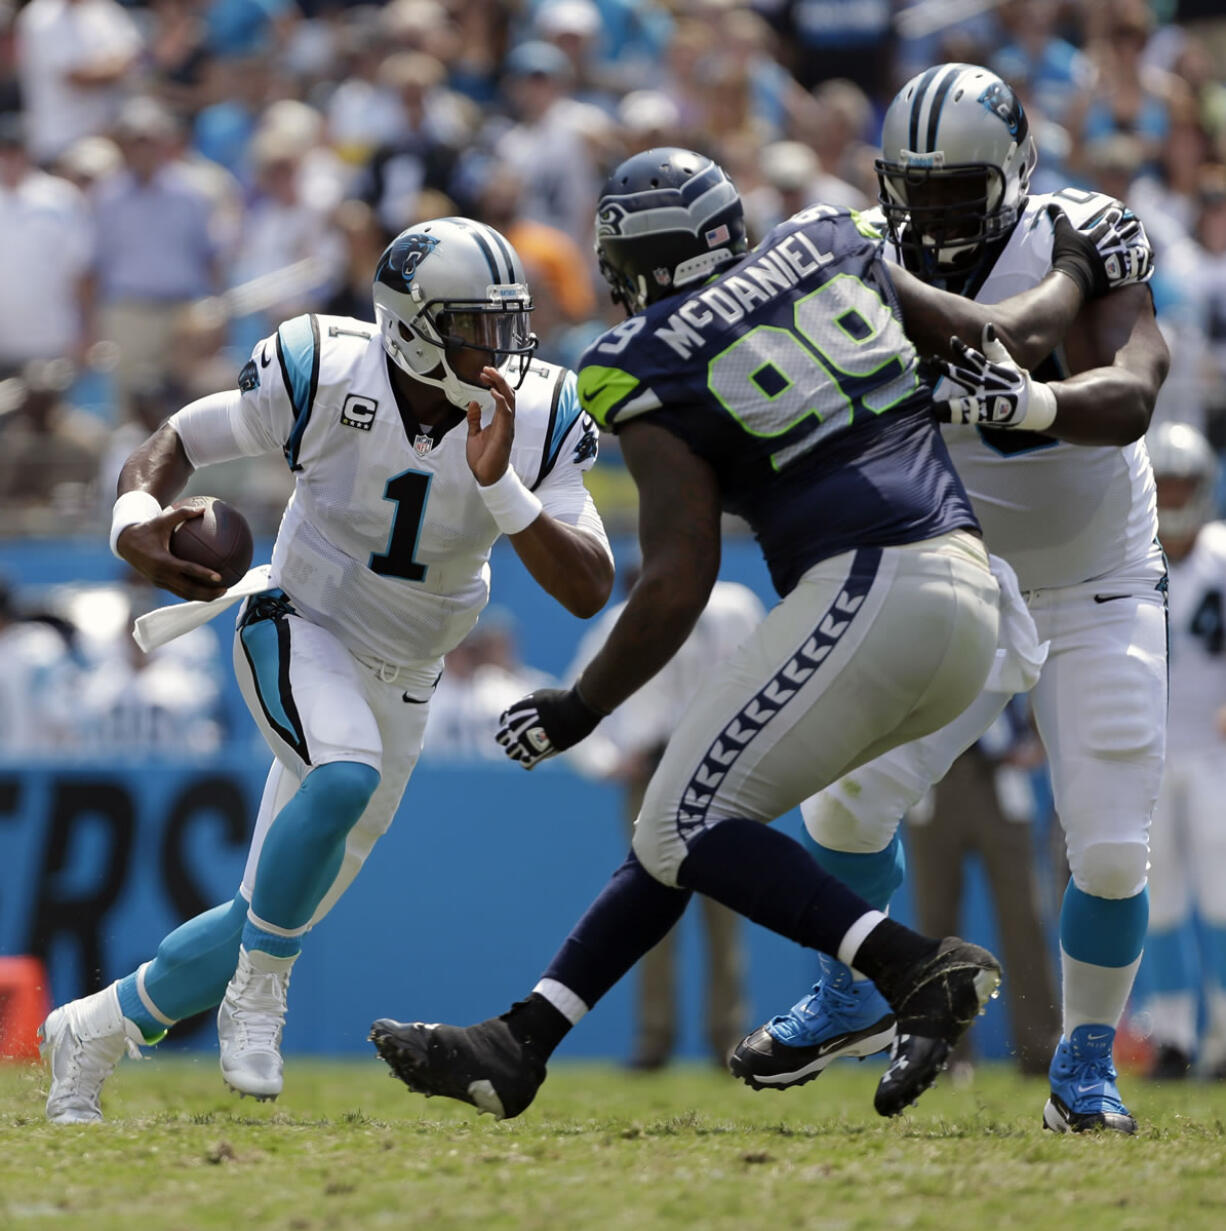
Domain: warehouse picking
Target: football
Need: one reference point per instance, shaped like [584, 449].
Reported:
[220, 539]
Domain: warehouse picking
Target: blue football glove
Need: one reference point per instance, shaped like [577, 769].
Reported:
[545, 723]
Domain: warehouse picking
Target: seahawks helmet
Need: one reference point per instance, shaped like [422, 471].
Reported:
[954, 174]
[1179, 452]
[449, 284]
[666, 218]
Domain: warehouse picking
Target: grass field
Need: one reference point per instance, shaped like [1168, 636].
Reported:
[346, 1147]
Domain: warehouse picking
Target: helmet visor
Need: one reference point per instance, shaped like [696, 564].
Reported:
[503, 331]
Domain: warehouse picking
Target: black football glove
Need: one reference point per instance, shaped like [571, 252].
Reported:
[1112, 251]
[545, 723]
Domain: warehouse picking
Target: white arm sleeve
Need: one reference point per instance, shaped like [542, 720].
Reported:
[212, 429]
[564, 495]
[261, 415]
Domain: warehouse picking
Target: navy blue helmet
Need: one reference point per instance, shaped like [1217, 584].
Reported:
[666, 218]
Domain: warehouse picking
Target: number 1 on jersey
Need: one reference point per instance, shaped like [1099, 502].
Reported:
[408, 490]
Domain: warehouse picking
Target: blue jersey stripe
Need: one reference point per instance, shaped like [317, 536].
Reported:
[563, 412]
[298, 353]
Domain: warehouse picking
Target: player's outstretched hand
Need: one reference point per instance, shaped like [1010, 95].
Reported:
[1113, 242]
[545, 723]
[489, 448]
[983, 387]
[146, 547]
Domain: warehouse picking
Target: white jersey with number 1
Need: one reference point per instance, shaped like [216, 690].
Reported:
[385, 541]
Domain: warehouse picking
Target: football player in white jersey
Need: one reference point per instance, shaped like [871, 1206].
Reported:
[414, 443]
[1189, 838]
[1066, 497]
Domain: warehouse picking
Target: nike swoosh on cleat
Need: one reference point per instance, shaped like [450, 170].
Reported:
[1094, 1038]
[1108, 598]
[1087, 1089]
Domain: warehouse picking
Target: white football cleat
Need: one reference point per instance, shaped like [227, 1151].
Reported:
[81, 1043]
[250, 1021]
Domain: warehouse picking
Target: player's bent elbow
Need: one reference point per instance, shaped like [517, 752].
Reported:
[589, 601]
[590, 587]
[1133, 418]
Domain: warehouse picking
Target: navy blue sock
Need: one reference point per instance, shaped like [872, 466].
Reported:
[633, 913]
[771, 879]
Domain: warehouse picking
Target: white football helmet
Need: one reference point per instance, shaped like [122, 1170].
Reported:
[957, 154]
[448, 284]
[1178, 452]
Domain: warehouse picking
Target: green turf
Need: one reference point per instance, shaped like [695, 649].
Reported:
[690, 1148]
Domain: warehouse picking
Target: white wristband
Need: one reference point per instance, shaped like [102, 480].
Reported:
[1040, 408]
[512, 506]
[131, 509]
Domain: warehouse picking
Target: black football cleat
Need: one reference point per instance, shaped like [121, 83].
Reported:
[1171, 1063]
[484, 1065]
[934, 1007]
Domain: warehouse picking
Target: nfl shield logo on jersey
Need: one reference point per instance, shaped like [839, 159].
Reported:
[423, 443]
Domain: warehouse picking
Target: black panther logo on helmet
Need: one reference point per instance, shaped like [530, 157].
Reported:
[1002, 101]
[401, 260]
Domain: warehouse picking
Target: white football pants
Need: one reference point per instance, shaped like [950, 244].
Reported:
[316, 702]
[872, 648]
[1100, 706]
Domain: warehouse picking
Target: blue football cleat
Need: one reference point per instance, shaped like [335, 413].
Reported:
[839, 1017]
[1083, 1091]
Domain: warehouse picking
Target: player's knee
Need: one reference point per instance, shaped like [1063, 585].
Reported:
[341, 791]
[660, 858]
[1110, 869]
[832, 824]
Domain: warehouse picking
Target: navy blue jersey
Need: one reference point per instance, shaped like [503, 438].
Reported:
[791, 375]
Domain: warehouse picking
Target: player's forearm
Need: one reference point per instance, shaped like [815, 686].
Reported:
[1030, 324]
[567, 563]
[1033, 323]
[159, 466]
[1105, 406]
[659, 615]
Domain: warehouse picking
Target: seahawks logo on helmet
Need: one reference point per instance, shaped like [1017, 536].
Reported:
[402, 259]
[610, 218]
[1002, 102]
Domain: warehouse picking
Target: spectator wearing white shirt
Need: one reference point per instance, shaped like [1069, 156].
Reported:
[72, 58]
[281, 229]
[639, 730]
[549, 145]
[482, 676]
[44, 258]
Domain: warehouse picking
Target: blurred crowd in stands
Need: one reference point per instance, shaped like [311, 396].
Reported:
[178, 176]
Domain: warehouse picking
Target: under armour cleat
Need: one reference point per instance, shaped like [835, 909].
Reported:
[249, 1024]
[1083, 1091]
[81, 1043]
[934, 1007]
[839, 1017]
[484, 1065]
